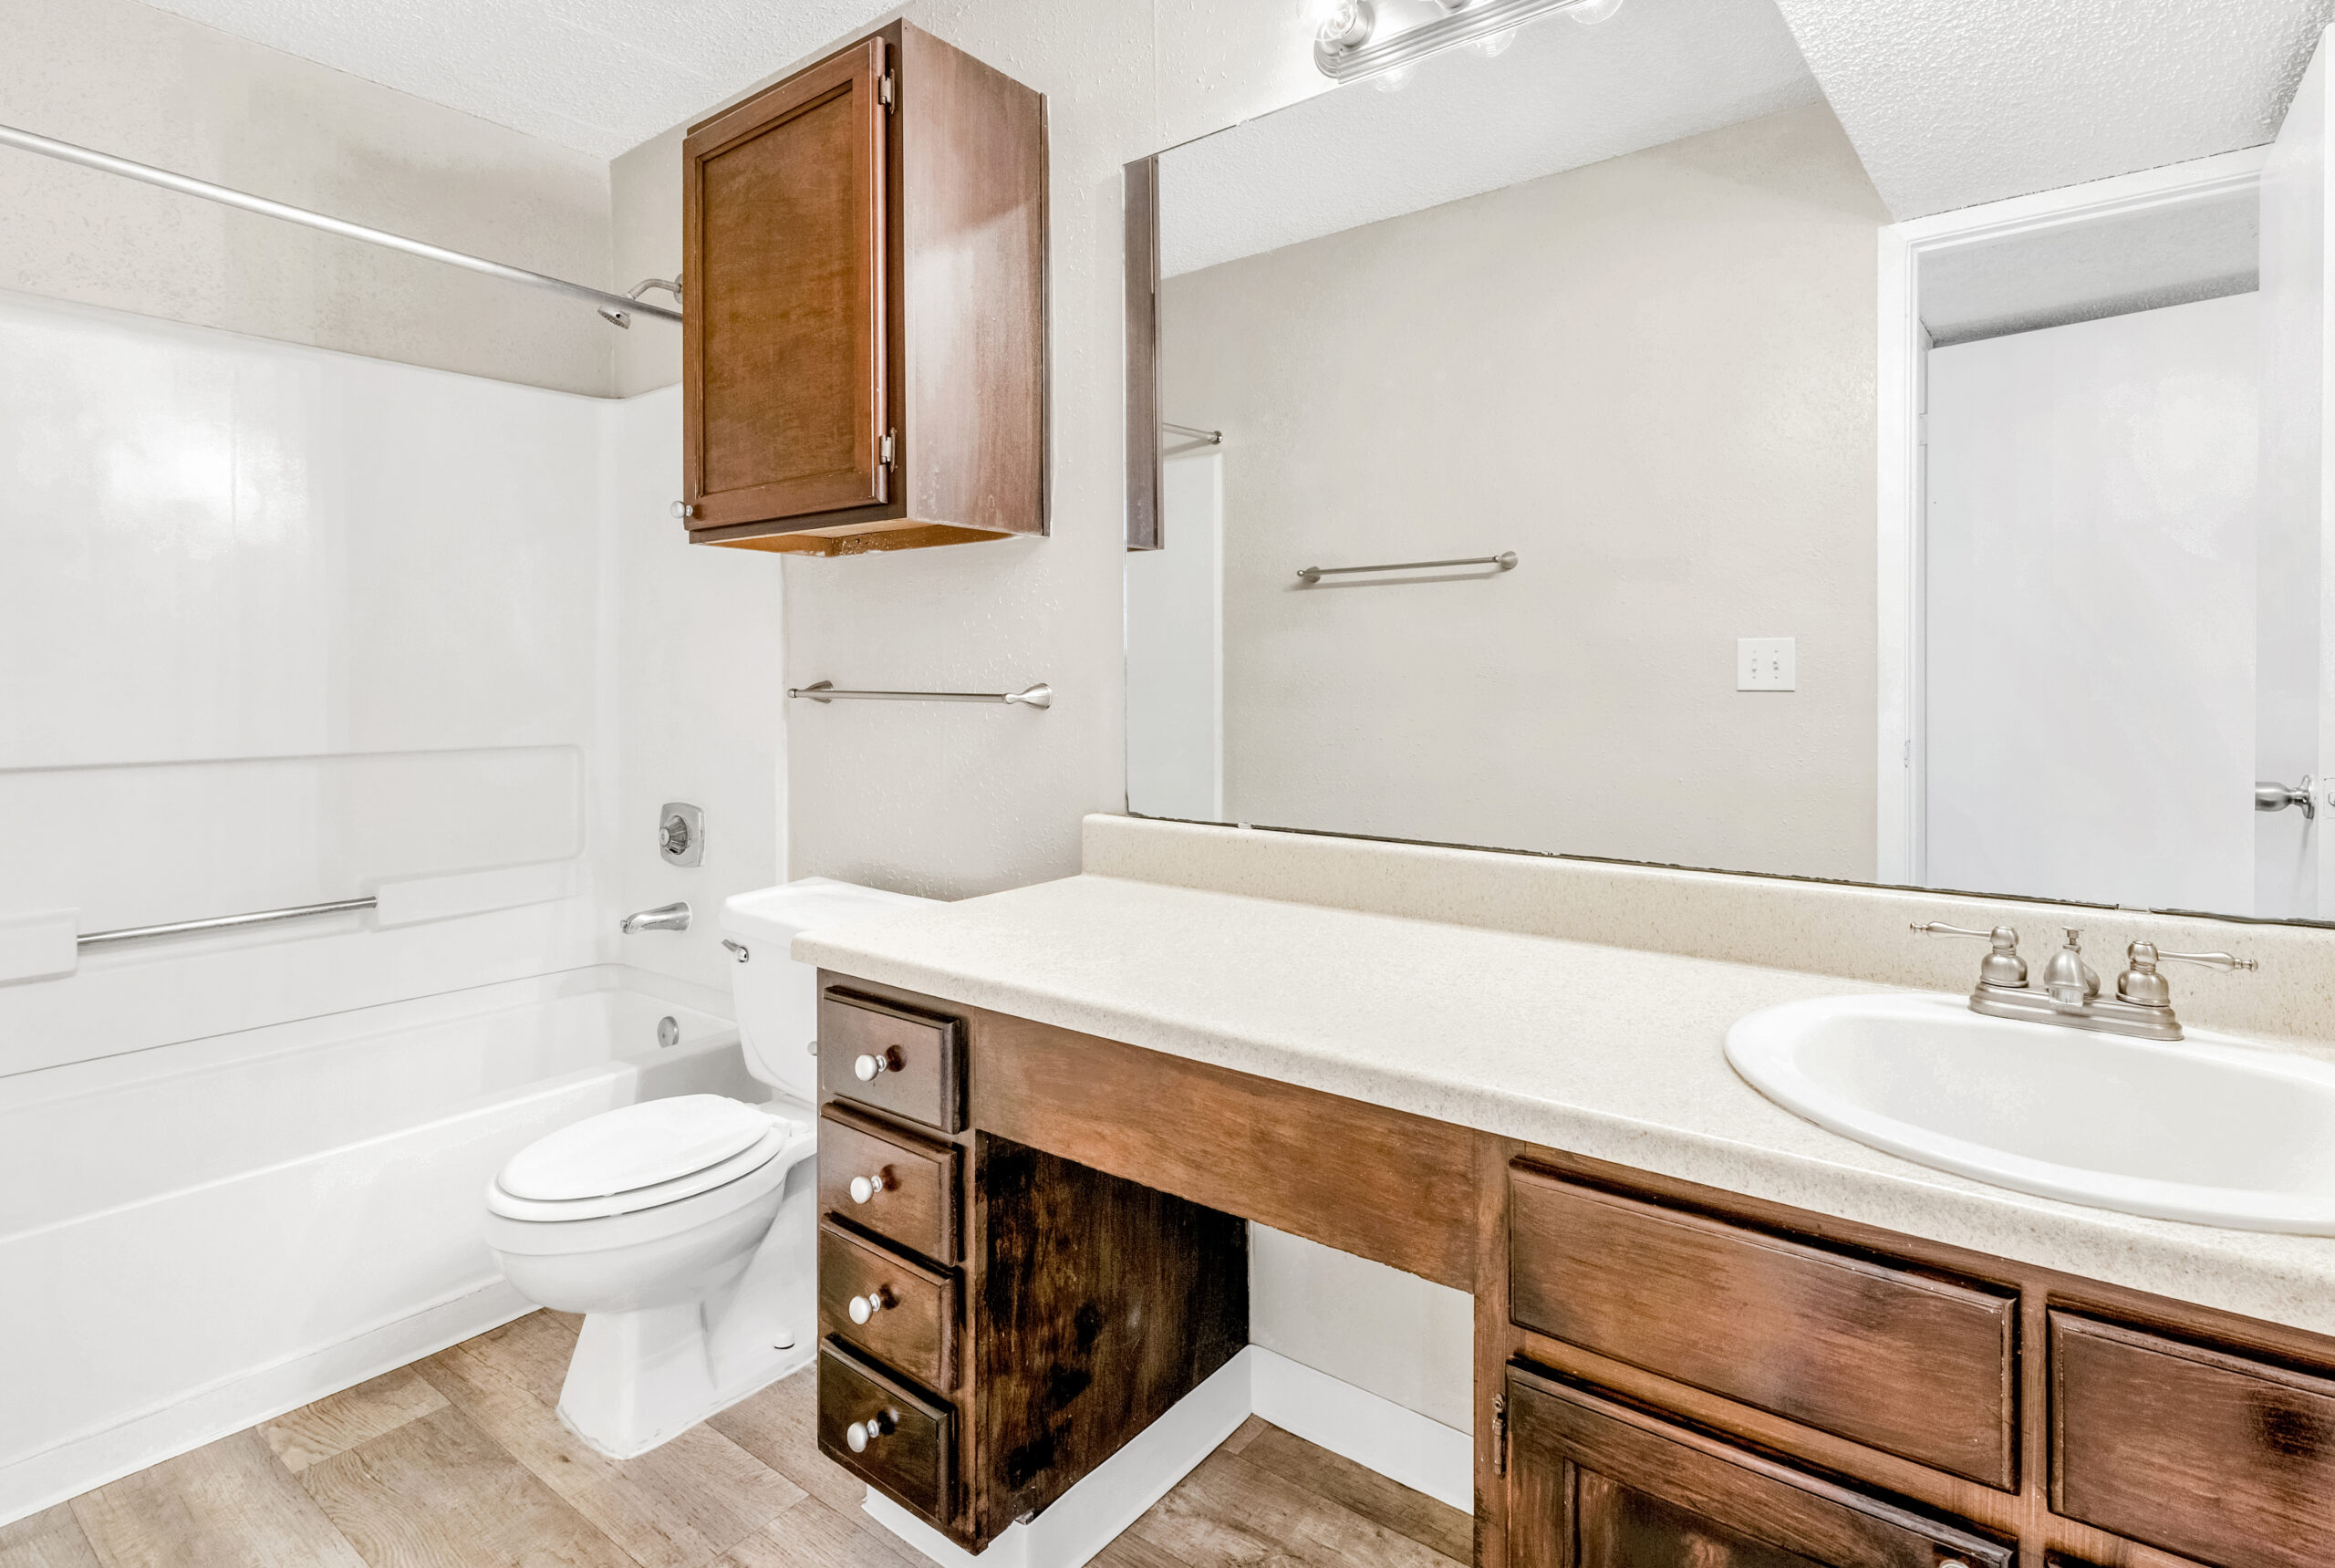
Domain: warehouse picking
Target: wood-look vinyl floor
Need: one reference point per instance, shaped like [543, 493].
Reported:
[458, 1461]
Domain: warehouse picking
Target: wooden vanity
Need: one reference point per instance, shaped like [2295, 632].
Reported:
[1033, 1246]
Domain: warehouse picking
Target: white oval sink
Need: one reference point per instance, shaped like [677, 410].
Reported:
[2208, 1129]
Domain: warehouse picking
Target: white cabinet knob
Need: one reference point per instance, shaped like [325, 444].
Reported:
[866, 1069]
[863, 1188]
[864, 1307]
[859, 1434]
[683, 510]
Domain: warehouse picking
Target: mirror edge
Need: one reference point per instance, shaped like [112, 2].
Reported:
[1144, 477]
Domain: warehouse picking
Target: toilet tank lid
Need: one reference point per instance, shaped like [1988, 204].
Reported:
[781, 914]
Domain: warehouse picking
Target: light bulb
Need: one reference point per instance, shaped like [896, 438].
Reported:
[1347, 26]
[1593, 12]
[1497, 45]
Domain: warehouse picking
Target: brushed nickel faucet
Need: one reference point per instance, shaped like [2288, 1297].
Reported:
[2070, 994]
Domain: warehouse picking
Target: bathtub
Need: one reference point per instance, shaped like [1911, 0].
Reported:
[202, 1236]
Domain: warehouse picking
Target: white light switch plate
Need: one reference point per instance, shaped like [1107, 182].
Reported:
[1766, 664]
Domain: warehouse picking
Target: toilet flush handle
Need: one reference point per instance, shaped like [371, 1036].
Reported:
[868, 1306]
[863, 1188]
[859, 1434]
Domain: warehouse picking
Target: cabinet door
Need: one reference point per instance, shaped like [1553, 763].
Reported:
[783, 245]
[1593, 1484]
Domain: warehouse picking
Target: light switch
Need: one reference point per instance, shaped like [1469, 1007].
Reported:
[1766, 664]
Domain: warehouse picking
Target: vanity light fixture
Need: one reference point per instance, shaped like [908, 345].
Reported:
[1372, 38]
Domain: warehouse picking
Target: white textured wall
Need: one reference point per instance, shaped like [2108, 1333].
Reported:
[698, 682]
[136, 82]
[1651, 378]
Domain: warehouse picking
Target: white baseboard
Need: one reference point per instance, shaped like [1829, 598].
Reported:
[1373, 1431]
[43, 1480]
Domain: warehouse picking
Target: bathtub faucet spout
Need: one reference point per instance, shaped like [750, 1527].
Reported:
[664, 918]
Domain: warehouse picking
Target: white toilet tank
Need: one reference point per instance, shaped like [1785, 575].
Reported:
[777, 999]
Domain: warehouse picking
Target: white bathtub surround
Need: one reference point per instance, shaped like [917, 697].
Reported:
[203, 1238]
[277, 626]
[1610, 1051]
[1375, 1433]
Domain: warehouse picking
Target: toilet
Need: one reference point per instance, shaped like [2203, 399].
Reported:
[684, 1229]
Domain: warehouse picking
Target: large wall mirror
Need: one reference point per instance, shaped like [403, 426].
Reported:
[1678, 439]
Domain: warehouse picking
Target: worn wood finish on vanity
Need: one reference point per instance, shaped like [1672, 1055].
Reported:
[2219, 1457]
[1900, 1360]
[911, 1181]
[1379, 1183]
[1593, 1484]
[911, 1309]
[2025, 1515]
[910, 1445]
[1666, 1373]
[1087, 1304]
[913, 1057]
[1102, 1303]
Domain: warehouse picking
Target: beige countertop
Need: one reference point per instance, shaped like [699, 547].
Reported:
[1613, 1053]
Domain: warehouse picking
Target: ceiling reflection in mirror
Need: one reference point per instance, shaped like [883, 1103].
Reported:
[1704, 438]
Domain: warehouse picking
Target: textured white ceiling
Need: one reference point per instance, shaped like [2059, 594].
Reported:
[1955, 102]
[1561, 97]
[601, 76]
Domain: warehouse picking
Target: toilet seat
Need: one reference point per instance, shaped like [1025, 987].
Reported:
[625, 1220]
[637, 1156]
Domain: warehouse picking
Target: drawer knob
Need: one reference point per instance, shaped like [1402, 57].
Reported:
[868, 1067]
[863, 1188]
[859, 1434]
[868, 1306]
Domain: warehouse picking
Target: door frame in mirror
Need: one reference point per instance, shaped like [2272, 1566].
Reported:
[1901, 765]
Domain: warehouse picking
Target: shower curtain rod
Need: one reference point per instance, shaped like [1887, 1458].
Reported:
[49, 147]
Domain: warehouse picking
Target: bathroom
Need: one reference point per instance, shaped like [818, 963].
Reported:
[1444, 582]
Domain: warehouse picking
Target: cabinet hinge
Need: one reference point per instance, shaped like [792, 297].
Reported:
[1499, 1433]
[884, 92]
[885, 456]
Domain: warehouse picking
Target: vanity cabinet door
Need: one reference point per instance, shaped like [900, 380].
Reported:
[783, 239]
[2212, 1455]
[1593, 1484]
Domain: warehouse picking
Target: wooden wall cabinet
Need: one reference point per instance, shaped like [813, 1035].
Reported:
[864, 333]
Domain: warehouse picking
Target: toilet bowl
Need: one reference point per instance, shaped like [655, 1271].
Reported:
[684, 1229]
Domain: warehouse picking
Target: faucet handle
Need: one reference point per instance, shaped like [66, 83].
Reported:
[2003, 966]
[2143, 986]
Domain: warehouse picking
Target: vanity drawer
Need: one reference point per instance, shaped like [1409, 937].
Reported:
[909, 1438]
[914, 1328]
[2217, 1456]
[909, 1183]
[1898, 1360]
[902, 1060]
